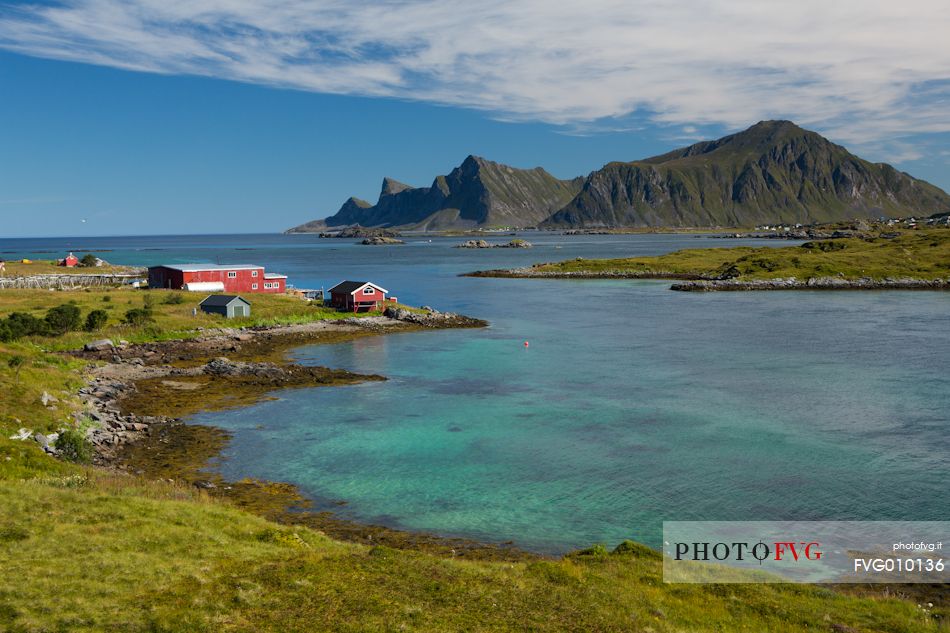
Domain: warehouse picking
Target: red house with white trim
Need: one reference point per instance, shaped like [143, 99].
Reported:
[215, 278]
[357, 295]
[70, 261]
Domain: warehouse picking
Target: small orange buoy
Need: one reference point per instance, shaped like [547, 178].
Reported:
[526, 343]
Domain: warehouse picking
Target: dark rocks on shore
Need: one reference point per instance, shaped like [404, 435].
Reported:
[98, 346]
[813, 283]
[113, 428]
[433, 318]
[225, 367]
[859, 230]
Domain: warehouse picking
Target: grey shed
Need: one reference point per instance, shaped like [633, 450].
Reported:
[228, 306]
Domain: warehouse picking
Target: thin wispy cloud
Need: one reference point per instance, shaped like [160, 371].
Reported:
[864, 70]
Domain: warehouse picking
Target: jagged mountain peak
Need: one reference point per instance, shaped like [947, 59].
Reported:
[392, 186]
[478, 192]
[472, 159]
[357, 202]
[474, 165]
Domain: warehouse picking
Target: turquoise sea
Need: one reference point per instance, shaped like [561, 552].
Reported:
[632, 405]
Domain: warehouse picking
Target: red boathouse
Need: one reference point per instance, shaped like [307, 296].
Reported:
[214, 278]
[357, 295]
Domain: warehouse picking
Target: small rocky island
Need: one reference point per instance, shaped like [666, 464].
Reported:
[485, 244]
[359, 231]
[379, 240]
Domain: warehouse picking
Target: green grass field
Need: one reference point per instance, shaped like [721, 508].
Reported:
[170, 319]
[85, 550]
[921, 254]
[95, 552]
[47, 267]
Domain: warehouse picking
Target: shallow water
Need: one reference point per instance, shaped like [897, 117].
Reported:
[633, 404]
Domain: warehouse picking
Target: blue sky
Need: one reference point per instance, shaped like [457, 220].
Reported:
[150, 116]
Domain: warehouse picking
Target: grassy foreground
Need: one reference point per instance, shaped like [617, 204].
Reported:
[94, 552]
[923, 254]
[85, 550]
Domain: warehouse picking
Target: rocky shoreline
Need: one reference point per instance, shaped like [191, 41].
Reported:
[812, 283]
[697, 283]
[114, 383]
[137, 399]
[116, 424]
[532, 273]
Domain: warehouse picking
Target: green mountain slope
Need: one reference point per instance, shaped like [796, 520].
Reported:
[478, 193]
[772, 172]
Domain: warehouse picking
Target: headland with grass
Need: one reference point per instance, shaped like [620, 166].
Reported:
[876, 259]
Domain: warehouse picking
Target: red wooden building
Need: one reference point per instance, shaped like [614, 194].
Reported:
[70, 261]
[214, 278]
[357, 295]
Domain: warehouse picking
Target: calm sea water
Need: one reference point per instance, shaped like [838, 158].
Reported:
[632, 405]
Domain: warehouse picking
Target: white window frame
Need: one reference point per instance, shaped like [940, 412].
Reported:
[253, 273]
[253, 286]
[232, 274]
[369, 290]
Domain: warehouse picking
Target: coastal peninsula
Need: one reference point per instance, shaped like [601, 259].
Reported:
[877, 259]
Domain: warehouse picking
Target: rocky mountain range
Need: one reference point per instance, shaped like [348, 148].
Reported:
[477, 193]
[772, 172]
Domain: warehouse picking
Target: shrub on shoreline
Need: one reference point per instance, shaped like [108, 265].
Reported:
[74, 447]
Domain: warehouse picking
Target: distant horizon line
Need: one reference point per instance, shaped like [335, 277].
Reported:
[92, 237]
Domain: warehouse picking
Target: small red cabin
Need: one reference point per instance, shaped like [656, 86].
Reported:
[70, 261]
[211, 278]
[357, 295]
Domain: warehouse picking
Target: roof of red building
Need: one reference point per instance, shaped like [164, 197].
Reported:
[354, 286]
[196, 268]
